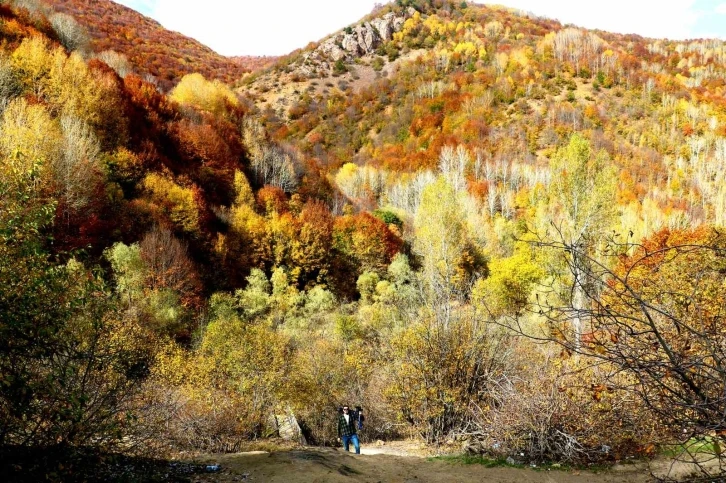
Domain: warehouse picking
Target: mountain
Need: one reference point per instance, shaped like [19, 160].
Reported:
[509, 89]
[486, 228]
[150, 48]
[253, 63]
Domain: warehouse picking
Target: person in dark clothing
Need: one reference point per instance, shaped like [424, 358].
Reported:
[347, 431]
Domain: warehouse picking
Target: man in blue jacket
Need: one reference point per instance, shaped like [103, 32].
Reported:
[347, 431]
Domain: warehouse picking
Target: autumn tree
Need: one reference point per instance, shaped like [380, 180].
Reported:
[210, 96]
[74, 89]
[581, 205]
[70, 365]
[177, 202]
[449, 259]
[271, 164]
[362, 243]
[9, 84]
[441, 371]
[118, 62]
[77, 169]
[71, 34]
[311, 248]
[32, 61]
[157, 282]
[654, 311]
[168, 265]
[275, 167]
[223, 393]
[31, 131]
[507, 289]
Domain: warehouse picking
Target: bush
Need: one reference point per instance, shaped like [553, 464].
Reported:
[388, 217]
[560, 410]
[442, 369]
[70, 365]
[224, 393]
[339, 67]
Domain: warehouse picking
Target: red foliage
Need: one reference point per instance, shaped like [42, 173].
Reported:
[479, 189]
[15, 25]
[368, 239]
[253, 63]
[201, 142]
[272, 198]
[151, 49]
[657, 244]
[315, 184]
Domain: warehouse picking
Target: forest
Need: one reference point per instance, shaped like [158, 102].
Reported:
[510, 244]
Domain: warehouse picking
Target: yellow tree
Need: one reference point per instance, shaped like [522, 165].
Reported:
[441, 241]
[196, 91]
[32, 61]
[581, 209]
[177, 201]
[31, 131]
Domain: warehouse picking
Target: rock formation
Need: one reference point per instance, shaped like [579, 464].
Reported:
[358, 41]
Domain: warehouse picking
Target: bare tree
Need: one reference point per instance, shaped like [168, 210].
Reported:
[453, 163]
[270, 163]
[655, 313]
[76, 169]
[273, 166]
[168, 264]
[118, 62]
[581, 204]
[9, 86]
[71, 34]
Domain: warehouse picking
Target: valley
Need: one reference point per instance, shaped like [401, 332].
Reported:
[494, 232]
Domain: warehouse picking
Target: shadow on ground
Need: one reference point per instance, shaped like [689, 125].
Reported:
[59, 464]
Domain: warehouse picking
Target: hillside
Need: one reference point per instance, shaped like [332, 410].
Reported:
[150, 48]
[494, 233]
[254, 63]
[508, 89]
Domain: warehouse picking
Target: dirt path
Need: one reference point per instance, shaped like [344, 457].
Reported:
[334, 465]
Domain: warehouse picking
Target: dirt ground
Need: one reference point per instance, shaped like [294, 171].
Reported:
[388, 465]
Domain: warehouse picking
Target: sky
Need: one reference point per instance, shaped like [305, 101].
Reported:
[264, 27]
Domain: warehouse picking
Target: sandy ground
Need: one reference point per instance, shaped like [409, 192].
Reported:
[334, 465]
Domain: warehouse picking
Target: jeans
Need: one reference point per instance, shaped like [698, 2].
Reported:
[354, 439]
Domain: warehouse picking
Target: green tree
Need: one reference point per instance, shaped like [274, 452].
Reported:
[441, 240]
[581, 210]
[254, 300]
[69, 365]
[507, 289]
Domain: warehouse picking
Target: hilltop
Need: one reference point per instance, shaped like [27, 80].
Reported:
[509, 89]
[254, 63]
[150, 48]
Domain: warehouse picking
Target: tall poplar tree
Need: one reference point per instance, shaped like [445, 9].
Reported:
[581, 210]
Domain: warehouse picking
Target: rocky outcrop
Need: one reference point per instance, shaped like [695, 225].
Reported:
[363, 39]
[286, 427]
[328, 49]
[384, 26]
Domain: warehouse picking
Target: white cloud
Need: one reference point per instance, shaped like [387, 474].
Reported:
[721, 8]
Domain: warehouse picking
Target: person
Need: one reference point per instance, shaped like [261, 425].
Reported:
[347, 431]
